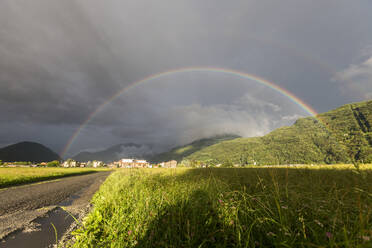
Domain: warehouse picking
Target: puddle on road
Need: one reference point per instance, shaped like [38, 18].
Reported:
[41, 232]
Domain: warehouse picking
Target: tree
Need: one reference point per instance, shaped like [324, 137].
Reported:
[228, 163]
[243, 160]
[54, 163]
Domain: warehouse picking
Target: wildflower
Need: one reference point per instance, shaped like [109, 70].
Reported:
[220, 201]
[329, 235]
[129, 232]
[319, 223]
[366, 238]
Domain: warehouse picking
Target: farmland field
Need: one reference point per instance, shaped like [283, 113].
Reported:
[17, 176]
[249, 207]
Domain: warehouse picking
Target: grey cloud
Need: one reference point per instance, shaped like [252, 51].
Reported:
[60, 60]
[135, 151]
[356, 79]
[248, 115]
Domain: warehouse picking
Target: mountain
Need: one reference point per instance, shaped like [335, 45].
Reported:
[115, 153]
[27, 152]
[132, 150]
[338, 136]
[181, 152]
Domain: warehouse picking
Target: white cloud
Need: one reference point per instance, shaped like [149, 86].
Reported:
[292, 117]
[356, 80]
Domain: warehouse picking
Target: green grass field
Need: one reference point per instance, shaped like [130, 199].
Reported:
[251, 207]
[17, 176]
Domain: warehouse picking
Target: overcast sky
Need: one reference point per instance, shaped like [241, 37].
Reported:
[60, 60]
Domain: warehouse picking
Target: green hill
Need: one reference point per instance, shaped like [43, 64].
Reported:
[181, 152]
[338, 136]
[27, 152]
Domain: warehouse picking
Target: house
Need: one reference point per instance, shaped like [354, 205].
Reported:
[97, 164]
[66, 164]
[70, 163]
[140, 164]
[132, 163]
[170, 164]
[126, 163]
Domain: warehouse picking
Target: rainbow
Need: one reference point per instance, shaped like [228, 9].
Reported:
[307, 108]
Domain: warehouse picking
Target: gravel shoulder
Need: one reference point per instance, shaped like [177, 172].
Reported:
[19, 206]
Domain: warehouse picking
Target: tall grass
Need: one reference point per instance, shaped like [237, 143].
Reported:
[253, 207]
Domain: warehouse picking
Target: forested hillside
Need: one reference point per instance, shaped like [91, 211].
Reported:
[338, 136]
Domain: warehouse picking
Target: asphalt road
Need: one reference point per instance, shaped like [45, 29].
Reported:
[20, 205]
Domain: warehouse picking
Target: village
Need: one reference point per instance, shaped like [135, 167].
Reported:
[122, 163]
[70, 163]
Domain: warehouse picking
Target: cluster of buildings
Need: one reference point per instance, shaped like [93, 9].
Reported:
[122, 163]
[72, 163]
[130, 163]
[139, 163]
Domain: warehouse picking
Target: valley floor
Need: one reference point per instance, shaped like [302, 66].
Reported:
[250, 207]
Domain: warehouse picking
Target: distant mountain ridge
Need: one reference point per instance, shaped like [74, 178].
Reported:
[133, 150]
[181, 152]
[27, 152]
[114, 153]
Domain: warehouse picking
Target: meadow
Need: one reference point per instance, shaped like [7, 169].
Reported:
[315, 206]
[24, 175]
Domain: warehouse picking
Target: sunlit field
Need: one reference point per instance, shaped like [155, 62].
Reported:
[16, 176]
[250, 207]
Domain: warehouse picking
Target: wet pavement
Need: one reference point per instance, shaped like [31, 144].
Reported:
[52, 223]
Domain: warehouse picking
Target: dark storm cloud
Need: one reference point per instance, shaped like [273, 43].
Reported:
[60, 60]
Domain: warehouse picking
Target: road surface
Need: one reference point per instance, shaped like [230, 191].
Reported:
[23, 204]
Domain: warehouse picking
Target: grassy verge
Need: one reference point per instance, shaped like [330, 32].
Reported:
[18, 176]
[252, 207]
